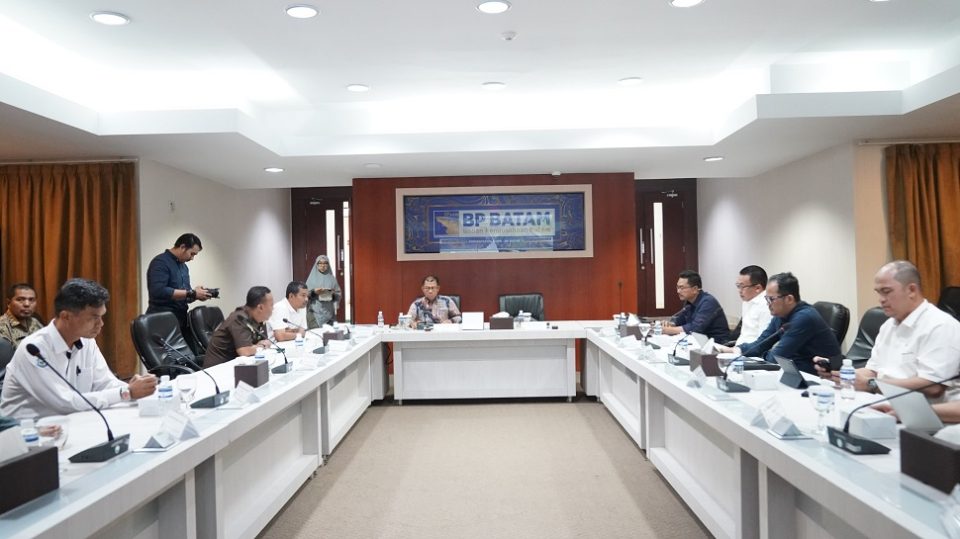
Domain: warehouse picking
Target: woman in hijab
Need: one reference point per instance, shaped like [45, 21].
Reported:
[324, 294]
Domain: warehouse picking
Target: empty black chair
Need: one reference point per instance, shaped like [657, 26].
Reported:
[204, 321]
[862, 345]
[950, 301]
[836, 316]
[735, 334]
[529, 303]
[455, 298]
[6, 354]
[147, 331]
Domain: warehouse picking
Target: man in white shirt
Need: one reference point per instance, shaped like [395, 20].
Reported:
[755, 313]
[919, 344]
[68, 345]
[293, 308]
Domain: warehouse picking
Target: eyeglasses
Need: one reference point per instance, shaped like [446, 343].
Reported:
[430, 287]
[771, 299]
[742, 286]
[683, 287]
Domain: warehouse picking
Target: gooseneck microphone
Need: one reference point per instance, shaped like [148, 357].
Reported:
[219, 398]
[858, 445]
[100, 452]
[672, 357]
[287, 366]
[725, 384]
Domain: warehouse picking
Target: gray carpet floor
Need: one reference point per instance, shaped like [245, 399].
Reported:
[490, 470]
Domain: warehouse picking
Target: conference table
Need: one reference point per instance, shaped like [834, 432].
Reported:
[250, 458]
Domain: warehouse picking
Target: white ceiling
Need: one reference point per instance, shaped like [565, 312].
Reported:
[223, 88]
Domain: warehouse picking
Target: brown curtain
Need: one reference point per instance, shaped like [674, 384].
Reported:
[923, 205]
[59, 221]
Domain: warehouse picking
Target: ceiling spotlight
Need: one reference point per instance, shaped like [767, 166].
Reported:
[110, 18]
[685, 3]
[713, 158]
[509, 35]
[273, 170]
[493, 7]
[630, 81]
[302, 11]
[372, 165]
[493, 86]
[358, 88]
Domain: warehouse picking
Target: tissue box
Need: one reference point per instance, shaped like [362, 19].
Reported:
[761, 380]
[630, 330]
[332, 336]
[929, 460]
[868, 422]
[501, 323]
[708, 362]
[34, 474]
[255, 374]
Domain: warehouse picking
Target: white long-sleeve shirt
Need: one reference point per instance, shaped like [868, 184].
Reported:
[30, 391]
[755, 317]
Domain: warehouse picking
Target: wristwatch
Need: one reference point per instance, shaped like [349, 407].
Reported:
[191, 295]
[872, 385]
[125, 394]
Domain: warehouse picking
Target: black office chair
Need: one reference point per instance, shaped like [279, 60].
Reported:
[154, 355]
[6, 354]
[734, 334]
[529, 303]
[836, 316]
[204, 320]
[950, 301]
[862, 345]
[455, 298]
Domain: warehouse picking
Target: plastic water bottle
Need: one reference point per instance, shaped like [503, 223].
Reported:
[847, 376]
[658, 329]
[260, 354]
[298, 345]
[380, 319]
[737, 375]
[165, 393]
[29, 432]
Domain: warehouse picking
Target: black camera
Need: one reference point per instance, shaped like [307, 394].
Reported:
[214, 292]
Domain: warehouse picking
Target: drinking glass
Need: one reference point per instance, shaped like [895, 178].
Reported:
[187, 385]
[822, 397]
[56, 423]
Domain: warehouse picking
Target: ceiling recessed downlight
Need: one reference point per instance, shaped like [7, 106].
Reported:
[302, 11]
[685, 3]
[493, 7]
[493, 86]
[713, 158]
[372, 165]
[110, 18]
[273, 170]
[630, 81]
[358, 88]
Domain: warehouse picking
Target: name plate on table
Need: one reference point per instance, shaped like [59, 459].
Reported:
[254, 375]
[699, 378]
[307, 363]
[244, 394]
[174, 427]
[28, 476]
[338, 346]
[773, 417]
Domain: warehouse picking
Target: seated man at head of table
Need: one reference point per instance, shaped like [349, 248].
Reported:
[917, 345]
[797, 330]
[755, 315]
[243, 331]
[68, 345]
[432, 308]
[701, 312]
[294, 309]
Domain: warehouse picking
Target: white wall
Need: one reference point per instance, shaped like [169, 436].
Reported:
[798, 218]
[246, 234]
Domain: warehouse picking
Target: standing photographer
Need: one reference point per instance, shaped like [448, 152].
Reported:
[168, 283]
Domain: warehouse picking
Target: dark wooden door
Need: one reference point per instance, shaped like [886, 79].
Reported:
[666, 235]
[318, 228]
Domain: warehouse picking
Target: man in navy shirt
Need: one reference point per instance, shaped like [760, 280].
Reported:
[701, 311]
[797, 330]
[168, 283]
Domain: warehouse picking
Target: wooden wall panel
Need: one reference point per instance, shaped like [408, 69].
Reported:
[573, 288]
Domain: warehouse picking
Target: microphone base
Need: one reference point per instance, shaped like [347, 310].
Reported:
[678, 361]
[282, 369]
[853, 444]
[731, 387]
[213, 401]
[105, 451]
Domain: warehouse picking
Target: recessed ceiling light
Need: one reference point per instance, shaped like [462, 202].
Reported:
[630, 81]
[358, 88]
[494, 86]
[110, 18]
[273, 169]
[493, 7]
[685, 3]
[713, 158]
[372, 165]
[302, 11]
